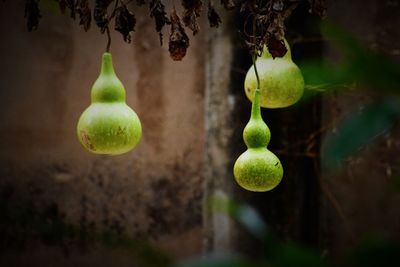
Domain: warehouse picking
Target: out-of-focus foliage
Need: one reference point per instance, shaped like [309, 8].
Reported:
[360, 67]
[371, 252]
[292, 255]
[226, 260]
[360, 129]
[244, 214]
[375, 251]
[357, 64]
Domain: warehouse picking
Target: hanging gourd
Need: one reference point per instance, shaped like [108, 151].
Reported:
[281, 81]
[257, 169]
[108, 125]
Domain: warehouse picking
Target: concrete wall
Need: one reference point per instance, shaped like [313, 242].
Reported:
[153, 192]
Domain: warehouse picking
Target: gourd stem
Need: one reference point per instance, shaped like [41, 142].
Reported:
[255, 51]
[255, 70]
[255, 107]
[108, 39]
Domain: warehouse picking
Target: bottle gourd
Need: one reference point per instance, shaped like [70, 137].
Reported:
[281, 81]
[257, 169]
[108, 125]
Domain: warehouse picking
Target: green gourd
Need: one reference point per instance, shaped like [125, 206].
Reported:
[257, 169]
[108, 125]
[281, 81]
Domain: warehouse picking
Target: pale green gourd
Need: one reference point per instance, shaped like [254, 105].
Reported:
[281, 81]
[108, 125]
[257, 169]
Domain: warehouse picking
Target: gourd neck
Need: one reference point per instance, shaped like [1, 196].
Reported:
[107, 67]
[255, 107]
[107, 88]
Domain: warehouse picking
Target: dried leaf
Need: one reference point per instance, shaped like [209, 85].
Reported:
[100, 13]
[249, 5]
[192, 12]
[229, 4]
[277, 5]
[70, 4]
[276, 26]
[318, 7]
[157, 11]
[125, 22]
[85, 14]
[213, 17]
[63, 5]
[32, 14]
[287, 11]
[276, 47]
[178, 40]
[71, 7]
[270, 25]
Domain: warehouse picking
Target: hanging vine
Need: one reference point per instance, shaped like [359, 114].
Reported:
[269, 15]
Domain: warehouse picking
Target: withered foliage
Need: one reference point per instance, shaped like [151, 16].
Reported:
[228, 4]
[70, 4]
[318, 7]
[125, 22]
[32, 14]
[192, 12]
[264, 26]
[157, 11]
[71, 7]
[213, 18]
[249, 6]
[85, 13]
[276, 47]
[63, 5]
[100, 14]
[178, 40]
[269, 27]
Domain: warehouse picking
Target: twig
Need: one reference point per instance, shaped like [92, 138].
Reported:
[109, 39]
[302, 39]
[297, 154]
[254, 56]
[114, 11]
[332, 199]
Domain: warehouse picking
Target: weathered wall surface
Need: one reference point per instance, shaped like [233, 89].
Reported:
[47, 179]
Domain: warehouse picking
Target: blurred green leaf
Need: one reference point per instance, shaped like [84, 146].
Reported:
[394, 184]
[251, 220]
[291, 255]
[326, 75]
[356, 64]
[246, 215]
[376, 252]
[358, 130]
[50, 5]
[219, 261]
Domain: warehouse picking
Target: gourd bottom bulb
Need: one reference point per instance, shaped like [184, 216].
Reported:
[258, 170]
